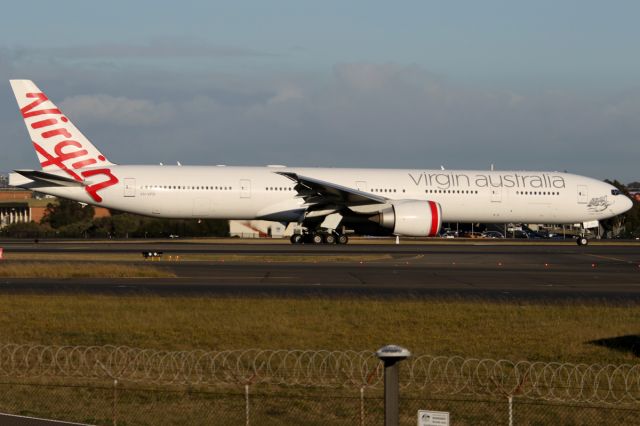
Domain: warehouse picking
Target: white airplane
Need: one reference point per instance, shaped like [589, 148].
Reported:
[324, 201]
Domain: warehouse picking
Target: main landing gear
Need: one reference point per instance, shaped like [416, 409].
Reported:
[319, 238]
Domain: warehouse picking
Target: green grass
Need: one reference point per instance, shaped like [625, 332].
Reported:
[556, 332]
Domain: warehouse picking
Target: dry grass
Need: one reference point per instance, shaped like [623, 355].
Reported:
[448, 327]
[79, 270]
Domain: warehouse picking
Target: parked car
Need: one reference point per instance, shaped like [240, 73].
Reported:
[471, 235]
[554, 236]
[519, 234]
[492, 234]
[449, 234]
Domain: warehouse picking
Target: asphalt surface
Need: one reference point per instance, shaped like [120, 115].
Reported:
[492, 270]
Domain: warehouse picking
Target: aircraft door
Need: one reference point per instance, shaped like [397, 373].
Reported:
[129, 187]
[583, 194]
[245, 188]
[362, 186]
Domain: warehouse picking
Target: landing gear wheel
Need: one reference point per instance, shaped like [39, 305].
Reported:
[329, 239]
[296, 239]
[342, 239]
[317, 239]
[582, 241]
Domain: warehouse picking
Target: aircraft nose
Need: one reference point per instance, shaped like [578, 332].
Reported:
[627, 204]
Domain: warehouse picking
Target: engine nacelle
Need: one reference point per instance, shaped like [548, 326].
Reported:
[411, 218]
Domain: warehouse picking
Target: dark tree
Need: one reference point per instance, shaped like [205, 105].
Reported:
[66, 212]
[627, 224]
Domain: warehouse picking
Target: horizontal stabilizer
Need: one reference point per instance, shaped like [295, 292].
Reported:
[49, 179]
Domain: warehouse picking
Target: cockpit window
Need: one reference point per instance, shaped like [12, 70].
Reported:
[615, 192]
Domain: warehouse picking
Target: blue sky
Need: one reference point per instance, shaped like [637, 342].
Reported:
[535, 85]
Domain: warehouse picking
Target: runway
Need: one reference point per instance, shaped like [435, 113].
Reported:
[467, 270]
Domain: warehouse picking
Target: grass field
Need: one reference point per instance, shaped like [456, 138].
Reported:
[555, 332]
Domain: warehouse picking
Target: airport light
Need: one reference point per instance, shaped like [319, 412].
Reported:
[391, 355]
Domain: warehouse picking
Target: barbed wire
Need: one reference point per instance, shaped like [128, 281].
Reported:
[323, 368]
[553, 381]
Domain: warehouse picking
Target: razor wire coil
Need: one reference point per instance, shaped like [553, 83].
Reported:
[553, 381]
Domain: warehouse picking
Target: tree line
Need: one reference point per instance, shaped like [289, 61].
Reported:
[70, 219]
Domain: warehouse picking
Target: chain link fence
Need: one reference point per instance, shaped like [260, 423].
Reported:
[110, 385]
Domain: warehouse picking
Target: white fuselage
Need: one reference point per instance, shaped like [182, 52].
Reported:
[260, 193]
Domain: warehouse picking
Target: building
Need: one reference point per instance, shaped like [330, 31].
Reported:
[259, 229]
[23, 206]
[18, 205]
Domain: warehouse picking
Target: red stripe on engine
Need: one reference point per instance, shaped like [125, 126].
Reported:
[435, 219]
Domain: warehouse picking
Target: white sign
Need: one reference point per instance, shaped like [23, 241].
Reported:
[433, 418]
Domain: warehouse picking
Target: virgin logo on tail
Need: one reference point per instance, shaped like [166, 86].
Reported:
[54, 141]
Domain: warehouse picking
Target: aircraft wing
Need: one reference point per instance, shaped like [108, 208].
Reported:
[320, 192]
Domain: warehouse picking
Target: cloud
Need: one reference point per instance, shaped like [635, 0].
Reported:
[286, 94]
[107, 109]
[354, 115]
[159, 48]
[369, 77]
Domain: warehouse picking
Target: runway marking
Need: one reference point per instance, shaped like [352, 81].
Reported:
[608, 258]
[236, 277]
[357, 278]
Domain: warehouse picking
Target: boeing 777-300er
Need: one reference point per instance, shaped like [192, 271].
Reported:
[325, 202]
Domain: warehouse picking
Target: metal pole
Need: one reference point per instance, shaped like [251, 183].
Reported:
[510, 410]
[246, 409]
[391, 393]
[362, 406]
[115, 402]
[391, 355]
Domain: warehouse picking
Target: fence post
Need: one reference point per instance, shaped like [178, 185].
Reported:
[362, 406]
[510, 410]
[391, 355]
[246, 403]
[115, 402]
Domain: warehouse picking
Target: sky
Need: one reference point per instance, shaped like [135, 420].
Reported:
[542, 85]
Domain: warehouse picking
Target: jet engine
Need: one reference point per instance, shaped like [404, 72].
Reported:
[411, 218]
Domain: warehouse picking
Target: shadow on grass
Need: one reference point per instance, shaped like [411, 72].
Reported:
[629, 343]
